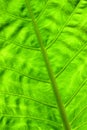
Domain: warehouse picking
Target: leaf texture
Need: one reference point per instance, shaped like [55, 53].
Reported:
[26, 97]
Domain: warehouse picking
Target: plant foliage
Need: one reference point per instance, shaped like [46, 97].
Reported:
[27, 101]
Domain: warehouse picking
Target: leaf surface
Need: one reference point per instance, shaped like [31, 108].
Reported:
[26, 97]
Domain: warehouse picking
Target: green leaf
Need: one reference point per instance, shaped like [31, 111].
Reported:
[26, 97]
